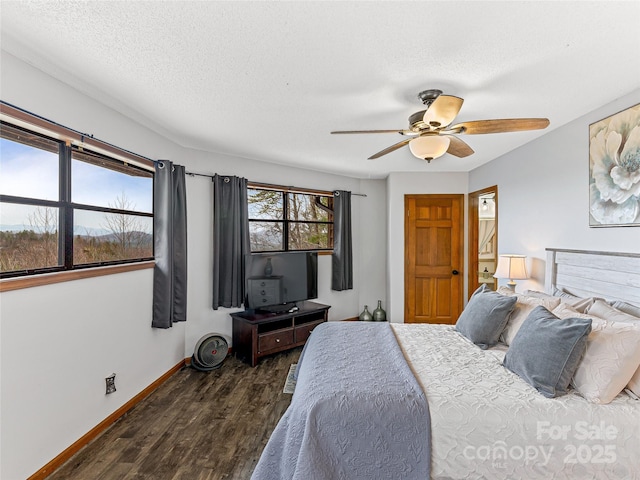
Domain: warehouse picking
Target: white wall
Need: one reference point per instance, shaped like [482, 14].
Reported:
[543, 195]
[202, 319]
[371, 224]
[59, 342]
[399, 185]
[30, 89]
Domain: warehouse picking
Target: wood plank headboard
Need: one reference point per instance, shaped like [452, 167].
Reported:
[608, 275]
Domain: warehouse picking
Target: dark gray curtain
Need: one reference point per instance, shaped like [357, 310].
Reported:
[230, 240]
[170, 245]
[342, 273]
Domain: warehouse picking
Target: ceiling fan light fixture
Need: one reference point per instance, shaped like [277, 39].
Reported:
[429, 147]
[431, 133]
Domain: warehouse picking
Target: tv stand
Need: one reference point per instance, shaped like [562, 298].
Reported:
[257, 333]
[281, 308]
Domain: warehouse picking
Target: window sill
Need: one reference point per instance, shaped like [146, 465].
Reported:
[59, 277]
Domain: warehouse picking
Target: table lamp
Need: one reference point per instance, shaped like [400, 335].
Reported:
[513, 267]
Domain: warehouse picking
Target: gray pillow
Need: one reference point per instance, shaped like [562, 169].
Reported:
[485, 316]
[480, 289]
[546, 351]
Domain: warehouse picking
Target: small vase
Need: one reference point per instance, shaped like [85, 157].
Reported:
[268, 268]
[379, 315]
[365, 316]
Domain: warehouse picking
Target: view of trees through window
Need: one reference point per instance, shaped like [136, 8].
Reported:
[104, 216]
[33, 246]
[119, 236]
[280, 220]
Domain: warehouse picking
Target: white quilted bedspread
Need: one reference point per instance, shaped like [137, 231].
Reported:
[487, 423]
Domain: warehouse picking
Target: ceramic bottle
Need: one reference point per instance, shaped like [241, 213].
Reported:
[379, 315]
[366, 315]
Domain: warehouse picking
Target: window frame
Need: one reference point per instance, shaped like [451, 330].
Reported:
[68, 142]
[286, 222]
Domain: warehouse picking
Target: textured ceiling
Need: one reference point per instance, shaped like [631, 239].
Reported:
[270, 80]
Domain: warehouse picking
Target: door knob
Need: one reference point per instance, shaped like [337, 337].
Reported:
[455, 272]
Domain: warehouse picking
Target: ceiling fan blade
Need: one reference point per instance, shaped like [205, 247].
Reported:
[368, 131]
[500, 125]
[390, 149]
[459, 148]
[442, 111]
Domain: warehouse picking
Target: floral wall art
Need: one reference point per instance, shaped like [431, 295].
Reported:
[614, 170]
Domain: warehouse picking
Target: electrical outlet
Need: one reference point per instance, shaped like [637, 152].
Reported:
[111, 383]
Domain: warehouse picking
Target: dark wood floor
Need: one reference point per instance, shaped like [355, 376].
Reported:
[196, 426]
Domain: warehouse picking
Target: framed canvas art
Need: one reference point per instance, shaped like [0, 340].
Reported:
[614, 170]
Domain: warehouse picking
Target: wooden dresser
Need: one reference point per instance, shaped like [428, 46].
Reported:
[257, 333]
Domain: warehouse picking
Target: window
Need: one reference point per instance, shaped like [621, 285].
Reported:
[63, 208]
[283, 219]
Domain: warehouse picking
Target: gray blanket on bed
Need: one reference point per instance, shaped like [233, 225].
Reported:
[357, 411]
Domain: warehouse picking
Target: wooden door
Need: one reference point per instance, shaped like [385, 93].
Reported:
[434, 254]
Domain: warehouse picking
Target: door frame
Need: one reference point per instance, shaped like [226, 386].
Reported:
[474, 227]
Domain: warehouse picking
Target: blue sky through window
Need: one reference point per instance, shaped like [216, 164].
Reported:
[27, 171]
[93, 185]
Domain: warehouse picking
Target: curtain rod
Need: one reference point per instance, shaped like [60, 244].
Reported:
[23, 118]
[194, 174]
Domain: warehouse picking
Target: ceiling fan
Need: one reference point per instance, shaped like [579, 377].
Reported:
[431, 135]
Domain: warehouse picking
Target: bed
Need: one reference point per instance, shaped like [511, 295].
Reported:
[393, 400]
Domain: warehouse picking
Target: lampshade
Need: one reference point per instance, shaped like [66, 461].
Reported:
[429, 147]
[513, 267]
[442, 111]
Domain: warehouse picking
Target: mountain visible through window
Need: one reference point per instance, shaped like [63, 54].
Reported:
[63, 208]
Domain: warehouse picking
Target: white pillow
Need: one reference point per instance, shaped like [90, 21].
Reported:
[610, 360]
[503, 290]
[564, 310]
[622, 312]
[579, 303]
[524, 306]
[602, 309]
[626, 308]
[536, 294]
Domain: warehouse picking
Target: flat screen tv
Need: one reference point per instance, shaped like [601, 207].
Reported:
[276, 281]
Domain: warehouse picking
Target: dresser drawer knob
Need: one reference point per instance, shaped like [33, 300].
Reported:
[277, 340]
